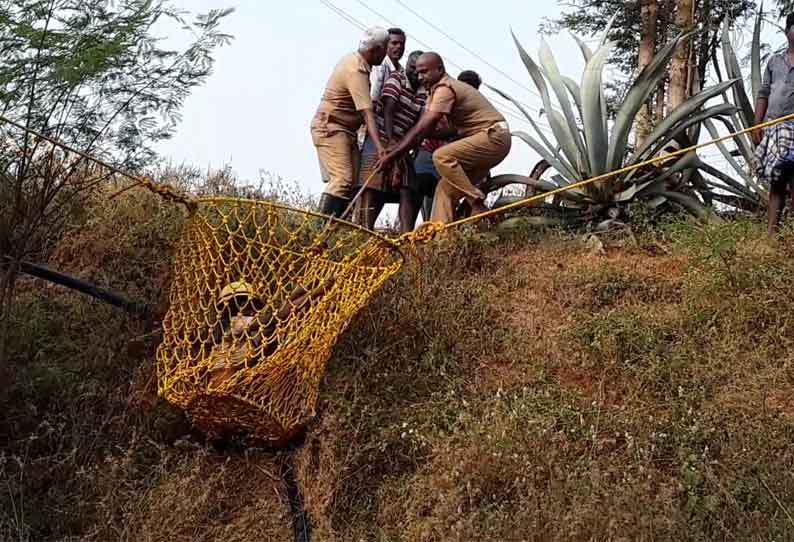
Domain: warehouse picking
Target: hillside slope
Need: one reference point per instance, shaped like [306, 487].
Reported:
[522, 387]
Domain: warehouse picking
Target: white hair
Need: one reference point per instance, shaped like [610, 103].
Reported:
[372, 38]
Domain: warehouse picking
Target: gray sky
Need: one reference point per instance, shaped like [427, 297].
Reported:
[254, 112]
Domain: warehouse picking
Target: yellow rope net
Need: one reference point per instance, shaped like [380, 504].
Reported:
[260, 295]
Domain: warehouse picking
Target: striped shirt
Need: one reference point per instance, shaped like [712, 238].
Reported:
[410, 105]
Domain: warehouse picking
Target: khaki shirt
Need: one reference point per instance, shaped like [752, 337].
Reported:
[346, 94]
[468, 110]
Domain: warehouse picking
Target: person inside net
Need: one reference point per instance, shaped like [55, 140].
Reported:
[245, 329]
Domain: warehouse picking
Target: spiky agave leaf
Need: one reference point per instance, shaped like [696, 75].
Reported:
[755, 53]
[742, 171]
[552, 72]
[639, 92]
[501, 181]
[734, 71]
[560, 128]
[575, 92]
[593, 116]
[668, 131]
[547, 154]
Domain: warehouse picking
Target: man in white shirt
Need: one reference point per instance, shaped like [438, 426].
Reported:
[394, 52]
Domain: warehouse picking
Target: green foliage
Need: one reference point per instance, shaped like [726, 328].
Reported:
[94, 73]
[591, 18]
[741, 190]
[585, 147]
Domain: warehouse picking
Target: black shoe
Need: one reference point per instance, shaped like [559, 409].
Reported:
[333, 205]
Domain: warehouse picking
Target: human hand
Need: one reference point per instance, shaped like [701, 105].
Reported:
[757, 135]
[386, 159]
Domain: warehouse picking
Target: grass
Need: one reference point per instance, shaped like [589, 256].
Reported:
[515, 387]
[566, 396]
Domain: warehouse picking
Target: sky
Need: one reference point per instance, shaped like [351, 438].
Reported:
[254, 112]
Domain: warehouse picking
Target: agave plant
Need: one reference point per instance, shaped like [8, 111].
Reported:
[587, 145]
[744, 193]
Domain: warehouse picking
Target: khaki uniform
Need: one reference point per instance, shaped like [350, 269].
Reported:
[338, 119]
[484, 143]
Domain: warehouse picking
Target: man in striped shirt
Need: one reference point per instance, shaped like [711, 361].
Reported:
[395, 48]
[398, 110]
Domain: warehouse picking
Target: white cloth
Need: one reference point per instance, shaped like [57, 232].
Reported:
[378, 76]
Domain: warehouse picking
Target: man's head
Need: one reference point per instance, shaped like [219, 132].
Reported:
[790, 29]
[430, 69]
[470, 77]
[410, 69]
[373, 45]
[396, 46]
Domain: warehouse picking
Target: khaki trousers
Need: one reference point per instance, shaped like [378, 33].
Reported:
[339, 157]
[464, 163]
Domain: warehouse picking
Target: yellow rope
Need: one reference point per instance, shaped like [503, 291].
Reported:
[162, 190]
[627, 169]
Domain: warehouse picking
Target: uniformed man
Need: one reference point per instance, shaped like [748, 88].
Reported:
[345, 105]
[484, 138]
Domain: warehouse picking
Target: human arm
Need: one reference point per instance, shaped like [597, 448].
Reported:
[426, 123]
[390, 99]
[389, 109]
[372, 131]
[376, 81]
[440, 104]
[358, 85]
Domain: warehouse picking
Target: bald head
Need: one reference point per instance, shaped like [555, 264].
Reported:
[430, 68]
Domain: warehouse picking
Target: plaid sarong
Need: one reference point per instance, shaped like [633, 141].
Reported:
[399, 174]
[774, 157]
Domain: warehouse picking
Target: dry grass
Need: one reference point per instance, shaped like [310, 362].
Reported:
[519, 388]
[87, 451]
[545, 393]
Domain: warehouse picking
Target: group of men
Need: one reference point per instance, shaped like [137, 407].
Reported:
[426, 136]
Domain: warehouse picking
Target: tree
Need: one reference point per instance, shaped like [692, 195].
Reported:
[590, 18]
[647, 48]
[681, 66]
[94, 74]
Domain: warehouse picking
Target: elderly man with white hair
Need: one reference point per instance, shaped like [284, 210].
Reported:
[345, 105]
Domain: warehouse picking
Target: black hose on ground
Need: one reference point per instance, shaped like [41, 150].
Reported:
[301, 527]
[78, 285]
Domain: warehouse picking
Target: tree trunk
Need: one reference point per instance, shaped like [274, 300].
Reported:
[662, 30]
[679, 68]
[648, 16]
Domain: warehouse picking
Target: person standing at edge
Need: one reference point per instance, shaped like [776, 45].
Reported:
[774, 153]
[345, 104]
[484, 138]
[395, 49]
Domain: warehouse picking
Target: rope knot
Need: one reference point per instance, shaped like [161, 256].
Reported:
[424, 233]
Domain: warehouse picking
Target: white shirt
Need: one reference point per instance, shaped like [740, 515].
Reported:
[378, 76]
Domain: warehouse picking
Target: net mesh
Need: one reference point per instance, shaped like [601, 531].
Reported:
[260, 295]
